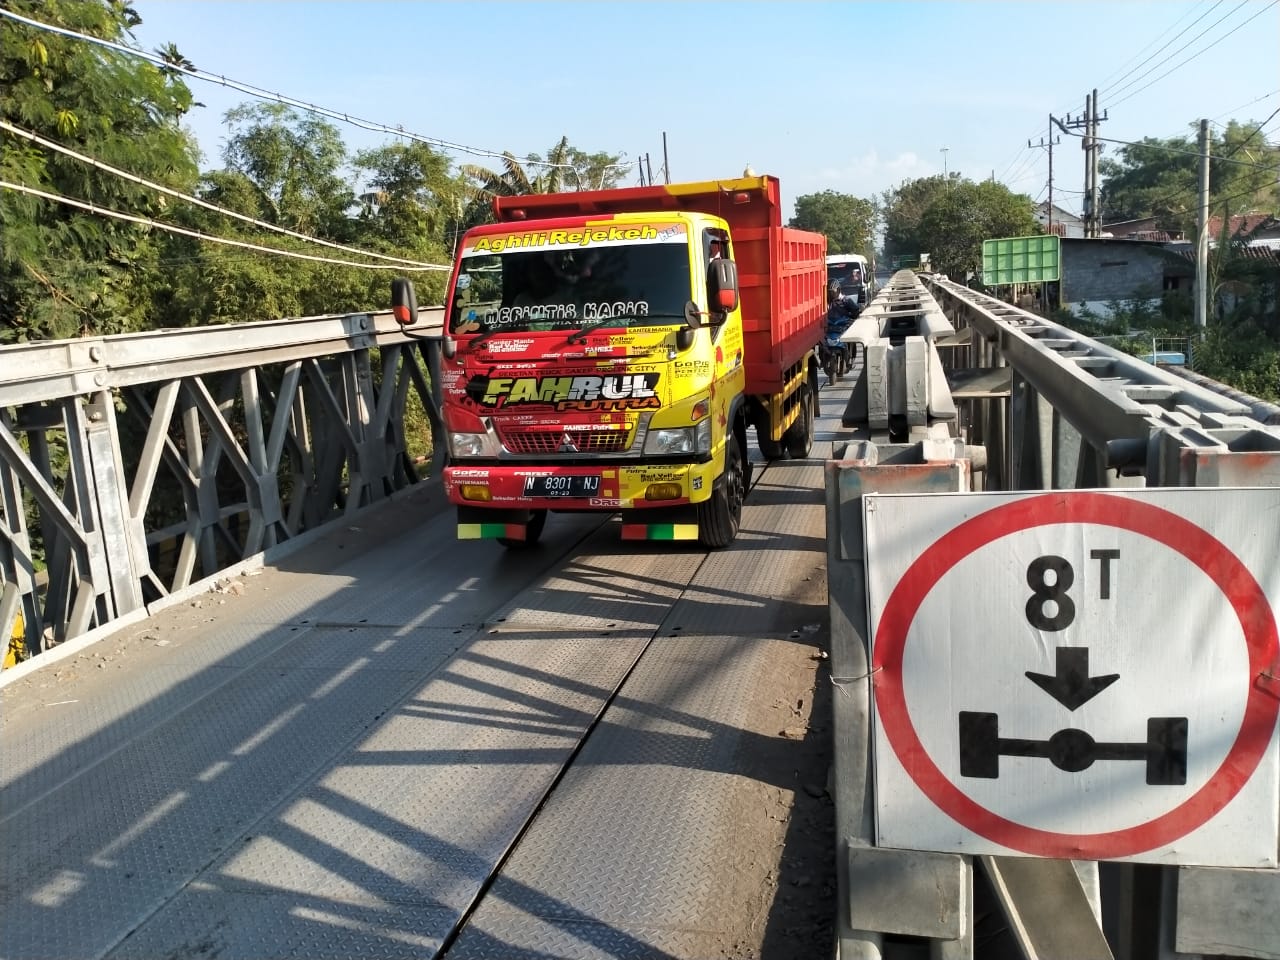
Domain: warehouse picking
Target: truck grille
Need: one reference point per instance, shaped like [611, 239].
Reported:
[597, 439]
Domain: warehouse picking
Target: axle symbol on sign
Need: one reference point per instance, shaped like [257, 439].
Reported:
[1165, 751]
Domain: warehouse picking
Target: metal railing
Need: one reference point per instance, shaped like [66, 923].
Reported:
[133, 466]
[1036, 406]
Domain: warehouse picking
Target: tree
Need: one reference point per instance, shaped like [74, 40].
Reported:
[901, 210]
[1160, 178]
[295, 161]
[565, 168]
[413, 202]
[65, 271]
[847, 221]
[961, 217]
[949, 219]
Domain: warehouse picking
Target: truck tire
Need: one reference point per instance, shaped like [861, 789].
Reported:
[799, 436]
[532, 532]
[720, 517]
[770, 449]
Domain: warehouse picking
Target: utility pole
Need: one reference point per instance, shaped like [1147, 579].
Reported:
[944, 163]
[1095, 148]
[1089, 144]
[1049, 145]
[666, 164]
[1202, 237]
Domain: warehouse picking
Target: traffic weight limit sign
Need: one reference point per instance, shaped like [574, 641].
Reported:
[1077, 674]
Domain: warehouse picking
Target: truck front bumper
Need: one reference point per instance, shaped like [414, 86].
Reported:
[657, 500]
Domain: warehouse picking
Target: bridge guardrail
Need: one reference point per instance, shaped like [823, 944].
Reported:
[1052, 409]
[223, 441]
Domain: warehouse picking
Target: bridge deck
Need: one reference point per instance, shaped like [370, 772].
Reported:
[392, 744]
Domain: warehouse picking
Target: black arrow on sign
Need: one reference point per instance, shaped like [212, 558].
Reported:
[1072, 686]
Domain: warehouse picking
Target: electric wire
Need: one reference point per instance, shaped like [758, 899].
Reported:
[147, 221]
[263, 94]
[1161, 147]
[1171, 39]
[1256, 130]
[1113, 78]
[18, 131]
[1198, 53]
[1265, 96]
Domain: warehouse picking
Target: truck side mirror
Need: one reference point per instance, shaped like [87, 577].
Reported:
[722, 288]
[404, 302]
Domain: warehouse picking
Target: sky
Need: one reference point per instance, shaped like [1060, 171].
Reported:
[852, 97]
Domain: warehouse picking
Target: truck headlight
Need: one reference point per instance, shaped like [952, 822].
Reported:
[470, 445]
[672, 441]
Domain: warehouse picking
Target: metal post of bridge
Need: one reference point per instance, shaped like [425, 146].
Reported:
[879, 891]
[439, 442]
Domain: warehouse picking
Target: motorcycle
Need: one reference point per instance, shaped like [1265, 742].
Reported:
[834, 354]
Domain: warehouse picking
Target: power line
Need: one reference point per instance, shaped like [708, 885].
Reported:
[1171, 39]
[1203, 50]
[1256, 130]
[4, 125]
[1162, 147]
[1265, 96]
[263, 94]
[147, 221]
[1190, 10]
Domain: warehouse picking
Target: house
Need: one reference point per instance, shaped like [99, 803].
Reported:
[1095, 273]
[1253, 229]
[1065, 223]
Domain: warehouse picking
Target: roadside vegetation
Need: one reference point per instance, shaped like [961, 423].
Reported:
[68, 271]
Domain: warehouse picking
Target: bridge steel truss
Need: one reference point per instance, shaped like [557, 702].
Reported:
[133, 466]
[1034, 406]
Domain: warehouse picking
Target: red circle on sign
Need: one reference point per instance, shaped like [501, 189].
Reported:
[1206, 552]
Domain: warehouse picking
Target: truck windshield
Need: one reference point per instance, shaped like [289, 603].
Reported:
[844, 273]
[559, 289]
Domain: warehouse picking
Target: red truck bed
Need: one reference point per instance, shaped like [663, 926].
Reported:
[781, 271]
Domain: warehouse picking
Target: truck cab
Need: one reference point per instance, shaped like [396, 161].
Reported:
[601, 360]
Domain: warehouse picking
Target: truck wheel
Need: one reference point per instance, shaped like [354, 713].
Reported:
[532, 532]
[799, 436]
[771, 449]
[721, 515]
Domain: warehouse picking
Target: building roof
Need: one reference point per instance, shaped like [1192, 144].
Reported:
[1058, 212]
[1245, 223]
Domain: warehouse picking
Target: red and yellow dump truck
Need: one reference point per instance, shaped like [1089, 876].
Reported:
[608, 350]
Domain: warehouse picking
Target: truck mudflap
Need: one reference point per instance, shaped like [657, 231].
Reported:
[515, 526]
[679, 523]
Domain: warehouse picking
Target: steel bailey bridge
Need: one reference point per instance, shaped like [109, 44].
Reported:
[271, 708]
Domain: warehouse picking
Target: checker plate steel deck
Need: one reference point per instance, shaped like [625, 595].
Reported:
[335, 763]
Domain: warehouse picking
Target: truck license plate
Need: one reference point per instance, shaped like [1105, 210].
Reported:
[562, 486]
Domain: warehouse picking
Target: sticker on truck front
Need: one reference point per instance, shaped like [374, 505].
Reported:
[587, 236]
[619, 392]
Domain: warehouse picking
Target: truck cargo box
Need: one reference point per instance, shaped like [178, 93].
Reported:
[781, 271]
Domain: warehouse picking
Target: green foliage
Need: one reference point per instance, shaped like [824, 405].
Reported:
[1243, 356]
[564, 168]
[1160, 178]
[65, 271]
[848, 222]
[950, 218]
[1239, 349]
